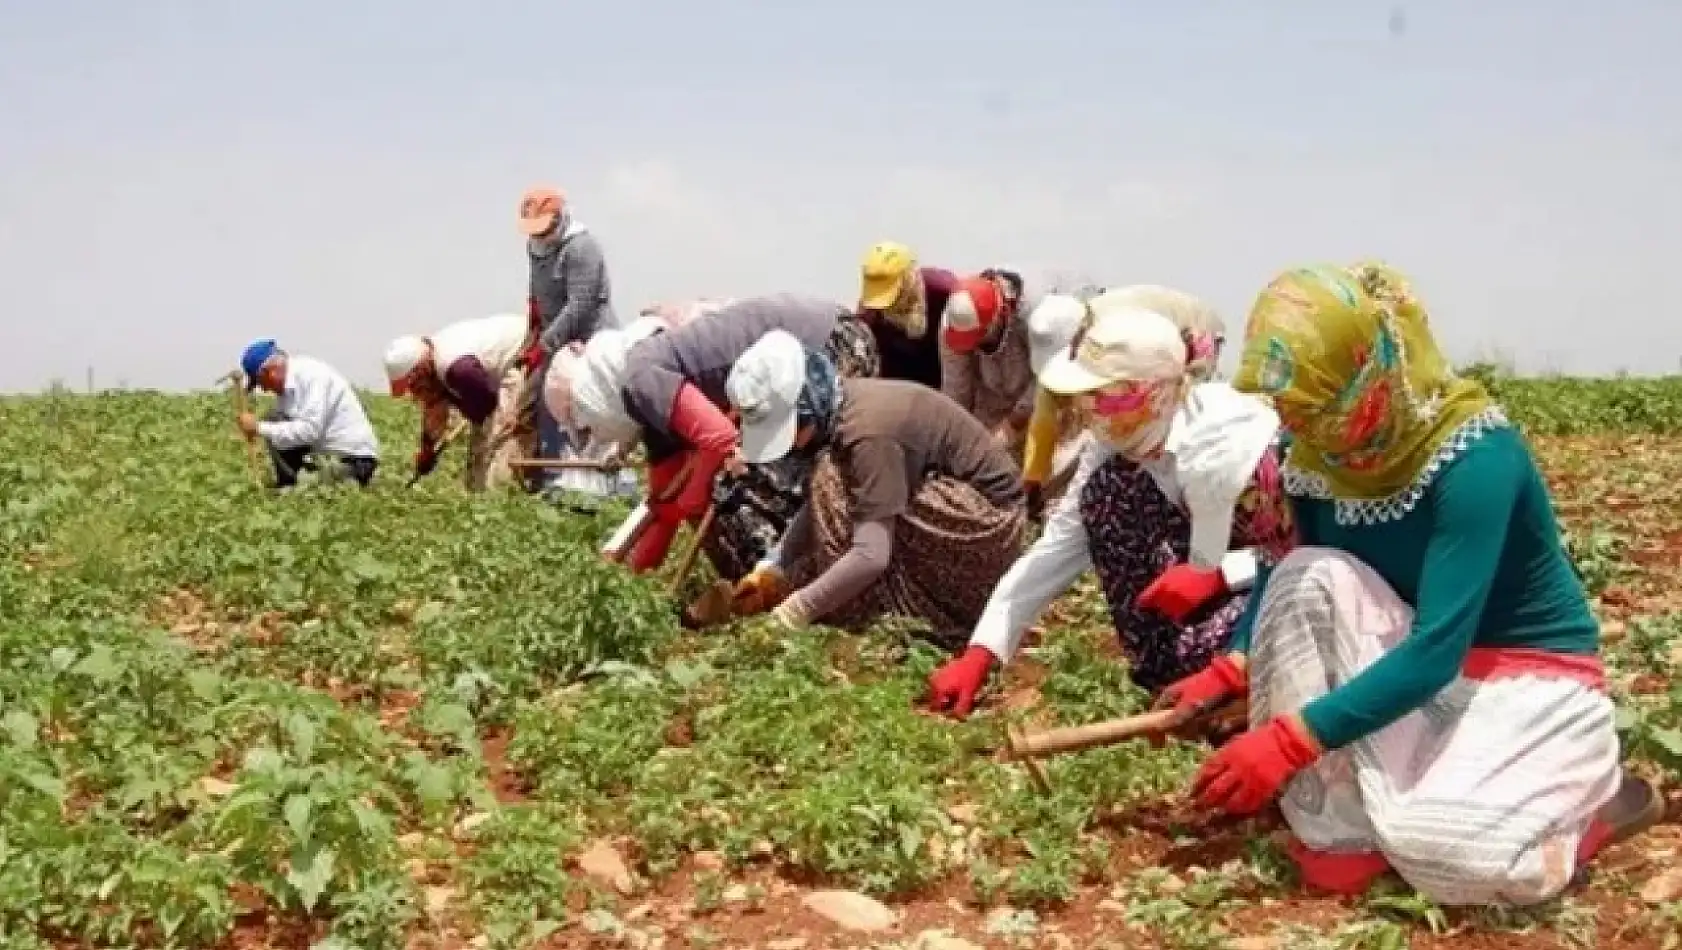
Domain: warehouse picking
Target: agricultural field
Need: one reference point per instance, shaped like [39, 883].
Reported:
[406, 718]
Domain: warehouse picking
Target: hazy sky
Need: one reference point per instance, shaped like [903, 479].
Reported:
[177, 178]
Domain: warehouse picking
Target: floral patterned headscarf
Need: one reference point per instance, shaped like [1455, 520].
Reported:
[1347, 356]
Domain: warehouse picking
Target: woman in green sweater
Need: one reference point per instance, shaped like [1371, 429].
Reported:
[1423, 671]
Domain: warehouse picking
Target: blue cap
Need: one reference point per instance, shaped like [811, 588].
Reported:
[255, 356]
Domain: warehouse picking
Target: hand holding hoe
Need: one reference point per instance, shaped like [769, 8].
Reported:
[1028, 747]
[450, 436]
[237, 379]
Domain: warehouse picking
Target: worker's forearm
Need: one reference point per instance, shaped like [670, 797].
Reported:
[865, 562]
[290, 433]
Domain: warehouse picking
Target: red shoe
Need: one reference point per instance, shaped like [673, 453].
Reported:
[1634, 808]
[1348, 874]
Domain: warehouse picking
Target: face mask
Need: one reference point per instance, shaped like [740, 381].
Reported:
[1133, 419]
[544, 244]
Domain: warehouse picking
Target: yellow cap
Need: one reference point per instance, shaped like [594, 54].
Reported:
[887, 266]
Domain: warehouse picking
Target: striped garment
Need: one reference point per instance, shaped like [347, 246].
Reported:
[1481, 796]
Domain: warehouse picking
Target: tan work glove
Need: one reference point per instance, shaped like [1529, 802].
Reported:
[710, 609]
[764, 588]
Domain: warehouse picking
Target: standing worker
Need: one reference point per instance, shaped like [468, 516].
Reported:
[903, 304]
[570, 298]
[474, 367]
[318, 414]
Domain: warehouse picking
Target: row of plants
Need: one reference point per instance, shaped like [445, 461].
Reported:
[1569, 405]
[215, 705]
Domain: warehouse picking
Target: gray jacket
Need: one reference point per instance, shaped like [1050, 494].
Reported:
[571, 286]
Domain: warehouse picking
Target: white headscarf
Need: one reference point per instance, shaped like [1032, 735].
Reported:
[557, 387]
[597, 378]
[1206, 331]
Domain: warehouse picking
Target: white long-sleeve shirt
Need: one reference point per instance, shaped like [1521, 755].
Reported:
[1061, 554]
[320, 411]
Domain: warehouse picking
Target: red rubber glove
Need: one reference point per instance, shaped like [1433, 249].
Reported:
[533, 357]
[1220, 680]
[1246, 773]
[426, 460]
[1180, 590]
[952, 688]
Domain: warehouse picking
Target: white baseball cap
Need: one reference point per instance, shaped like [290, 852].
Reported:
[1217, 440]
[764, 388]
[1118, 341]
[1051, 326]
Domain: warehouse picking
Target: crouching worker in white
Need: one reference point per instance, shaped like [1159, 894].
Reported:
[317, 418]
[1424, 673]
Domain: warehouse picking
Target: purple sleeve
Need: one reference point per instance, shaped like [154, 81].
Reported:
[474, 390]
[939, 285]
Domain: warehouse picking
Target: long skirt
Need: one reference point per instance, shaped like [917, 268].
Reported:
[950, 549]
[753, 511]
[509, 433]
[1482, 795]
[1135, 533]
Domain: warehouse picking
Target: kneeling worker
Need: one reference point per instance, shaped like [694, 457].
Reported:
[318, 414]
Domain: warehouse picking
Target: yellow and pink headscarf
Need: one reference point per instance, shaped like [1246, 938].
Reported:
[1347, 357]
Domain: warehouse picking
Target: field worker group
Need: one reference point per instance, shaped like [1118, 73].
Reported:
[1347, 539]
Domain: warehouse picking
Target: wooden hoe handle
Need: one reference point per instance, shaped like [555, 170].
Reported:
[567, 465]
[236, 378]
[695, 543]
[1036, 745]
